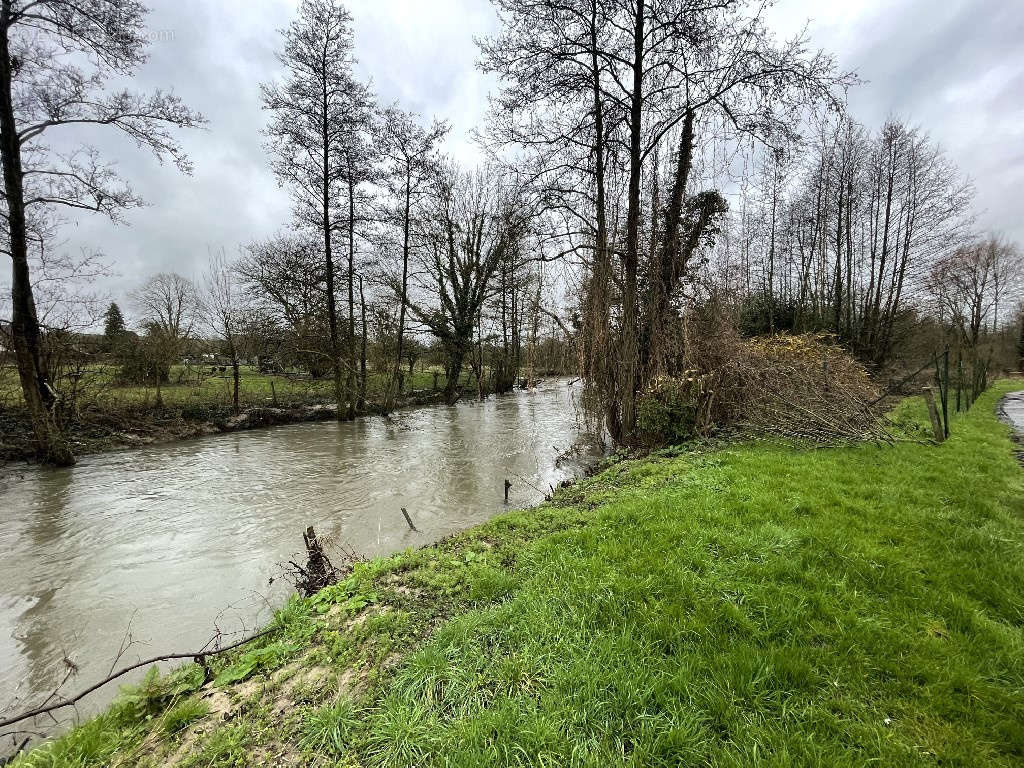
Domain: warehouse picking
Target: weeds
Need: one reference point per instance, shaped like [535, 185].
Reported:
[183, 714]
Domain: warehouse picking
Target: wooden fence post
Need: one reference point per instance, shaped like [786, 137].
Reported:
[933, 412]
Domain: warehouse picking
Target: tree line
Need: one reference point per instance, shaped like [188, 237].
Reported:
[389, 239]
[689, 162]
[647, 161]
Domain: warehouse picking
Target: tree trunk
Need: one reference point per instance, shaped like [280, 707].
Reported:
[452, 369]
[667, 264]
[1020, 345]
[332, 305]
[837, 306]
[630, 357]
[351, 384]
[597, 357]
[26, 336]
[362, 353]
[159, 389]
[235, 377]
[405, 287]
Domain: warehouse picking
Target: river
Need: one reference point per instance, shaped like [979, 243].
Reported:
[173, 540]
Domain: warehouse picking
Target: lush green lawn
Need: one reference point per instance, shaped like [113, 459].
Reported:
[745, 605]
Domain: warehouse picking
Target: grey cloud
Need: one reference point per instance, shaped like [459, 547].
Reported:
[933, 63]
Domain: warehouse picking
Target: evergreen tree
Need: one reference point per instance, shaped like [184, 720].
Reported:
[113, 326]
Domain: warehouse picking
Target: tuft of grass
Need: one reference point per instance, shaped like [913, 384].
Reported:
[227, 747]
[740, 605]
[181, 715]
[328, 730]
[94, 743]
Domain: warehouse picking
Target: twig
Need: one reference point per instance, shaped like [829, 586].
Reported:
[195, 655]
[17, 751]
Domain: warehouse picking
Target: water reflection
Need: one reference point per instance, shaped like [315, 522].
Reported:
[166, 537]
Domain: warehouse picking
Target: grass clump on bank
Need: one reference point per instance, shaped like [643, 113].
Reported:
[755, 604]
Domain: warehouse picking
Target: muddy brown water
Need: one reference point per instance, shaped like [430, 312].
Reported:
[176, 539]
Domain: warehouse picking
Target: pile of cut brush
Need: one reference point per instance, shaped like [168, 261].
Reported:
[803, 387]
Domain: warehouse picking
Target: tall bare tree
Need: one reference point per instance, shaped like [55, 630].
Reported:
[309, 133]
[56, 58]
[409, 152]
[358, 168]
[474, 222]
[224, 314]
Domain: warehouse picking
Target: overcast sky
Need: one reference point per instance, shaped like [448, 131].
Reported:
[956, 67]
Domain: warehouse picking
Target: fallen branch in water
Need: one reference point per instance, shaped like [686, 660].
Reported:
[196, 656]
[319, 571]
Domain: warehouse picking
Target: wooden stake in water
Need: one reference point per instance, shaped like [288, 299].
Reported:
[507, 486]
[409, 520]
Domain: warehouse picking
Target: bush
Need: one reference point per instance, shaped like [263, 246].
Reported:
[668, 411]
[763, 314]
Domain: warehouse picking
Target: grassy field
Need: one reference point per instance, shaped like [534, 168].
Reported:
[197, 385]
[739, 605]
[108, 415]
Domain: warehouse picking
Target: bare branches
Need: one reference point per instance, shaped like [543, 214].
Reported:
[205, 652]
[56, 57]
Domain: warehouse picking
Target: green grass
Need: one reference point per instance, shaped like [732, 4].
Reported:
[197, 386]
[746, 605]
[105, 415]
[183, 714]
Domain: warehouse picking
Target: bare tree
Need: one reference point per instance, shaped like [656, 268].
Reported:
[224, 313]
[409, 152]
[284, 280]
[968, 284]
[170, 307]
[309, 133]
[474, 220]
[55, 60]
[357, 153]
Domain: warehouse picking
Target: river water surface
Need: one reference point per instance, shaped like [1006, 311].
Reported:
[176, 539]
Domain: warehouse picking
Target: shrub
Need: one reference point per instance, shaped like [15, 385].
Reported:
[668, 411]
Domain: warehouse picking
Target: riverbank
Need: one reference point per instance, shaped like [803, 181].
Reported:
[753, 604]
[122, 424]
